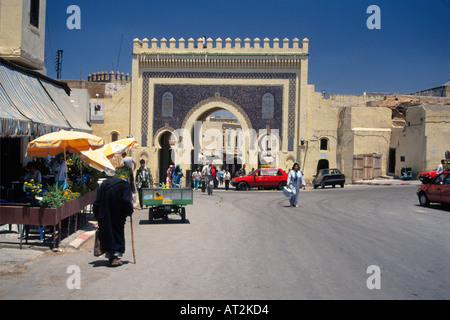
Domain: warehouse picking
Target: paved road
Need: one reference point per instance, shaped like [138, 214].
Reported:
[252, 245]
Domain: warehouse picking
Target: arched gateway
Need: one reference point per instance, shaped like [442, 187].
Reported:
[175, 87]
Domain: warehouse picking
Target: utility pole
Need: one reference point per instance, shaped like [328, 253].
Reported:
[59, 59]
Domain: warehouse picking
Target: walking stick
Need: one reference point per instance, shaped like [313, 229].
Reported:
[132, 239]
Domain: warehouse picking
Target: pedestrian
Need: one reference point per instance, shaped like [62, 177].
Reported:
[209, 173]
[440, 167]
[130, 163]
[144, 179]
[221, 175]
[227, 178]
[196, 177]
[242, 171]
[114, 202]
[203, 173]
[176, 177]
[59, 170]
[295, 181]
[169, 173]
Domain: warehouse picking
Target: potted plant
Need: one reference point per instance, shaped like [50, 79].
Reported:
[32, 189]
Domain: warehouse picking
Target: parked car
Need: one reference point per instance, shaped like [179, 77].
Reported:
[437, 190]
[329, 177]
[267, 178]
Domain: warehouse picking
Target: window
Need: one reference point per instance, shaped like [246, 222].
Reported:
[447, 181]
[34, 13]
[268, 103]
[167, 105]
[274, 172]
[323, 144]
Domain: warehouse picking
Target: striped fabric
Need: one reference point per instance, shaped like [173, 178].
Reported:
[12, 122]
[61, 99]
[29, 97]
[33, 106]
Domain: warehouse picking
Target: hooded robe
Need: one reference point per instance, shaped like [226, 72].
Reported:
[112, 205]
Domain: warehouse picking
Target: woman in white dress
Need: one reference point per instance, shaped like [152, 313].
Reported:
[295, 181]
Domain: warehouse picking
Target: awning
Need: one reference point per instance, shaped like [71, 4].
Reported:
[61, 99]
[31, 100]
[13, 124]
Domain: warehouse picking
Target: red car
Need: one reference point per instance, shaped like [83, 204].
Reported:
[267, 178]
[427, 176]
[437, 190]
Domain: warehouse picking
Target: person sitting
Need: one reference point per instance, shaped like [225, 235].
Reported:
[34, 174]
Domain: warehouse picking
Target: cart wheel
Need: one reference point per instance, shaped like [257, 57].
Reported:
[150, 215]
[183, 214]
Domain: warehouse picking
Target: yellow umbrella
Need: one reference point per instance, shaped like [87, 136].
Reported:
[97, 160]
[62, 141]
[117, 147]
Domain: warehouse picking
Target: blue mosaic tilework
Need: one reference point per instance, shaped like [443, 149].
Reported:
[247, 97]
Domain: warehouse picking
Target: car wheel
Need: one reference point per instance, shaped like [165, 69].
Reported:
[342, 185]
[334, 186]
[281, 185]
[423, 200]
[315, 186]
[243, 186]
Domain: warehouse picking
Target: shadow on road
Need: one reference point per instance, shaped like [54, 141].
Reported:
[436, 206]
[105, 263]
[165, 221]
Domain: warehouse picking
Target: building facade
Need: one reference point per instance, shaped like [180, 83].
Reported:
[177, 83]
[22, 33]
[178, 86]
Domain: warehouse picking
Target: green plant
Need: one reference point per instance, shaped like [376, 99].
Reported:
[53, 198]
[123, 172]
[32, 188]
[82, 177]
[56, 196]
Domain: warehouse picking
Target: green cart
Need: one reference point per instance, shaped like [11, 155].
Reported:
[163, 202]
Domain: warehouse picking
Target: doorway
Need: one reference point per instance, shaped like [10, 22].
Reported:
[165, 159]
[392, 156]
[322, 164]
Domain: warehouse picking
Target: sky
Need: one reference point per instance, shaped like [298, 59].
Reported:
[410, 52]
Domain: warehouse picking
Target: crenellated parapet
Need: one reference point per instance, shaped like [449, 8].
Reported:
[205, 45]
[207, 53]
[109, 77]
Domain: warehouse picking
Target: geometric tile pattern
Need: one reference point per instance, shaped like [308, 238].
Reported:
[248, 97]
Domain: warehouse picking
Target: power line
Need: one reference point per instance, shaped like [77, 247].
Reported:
[120, 49]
